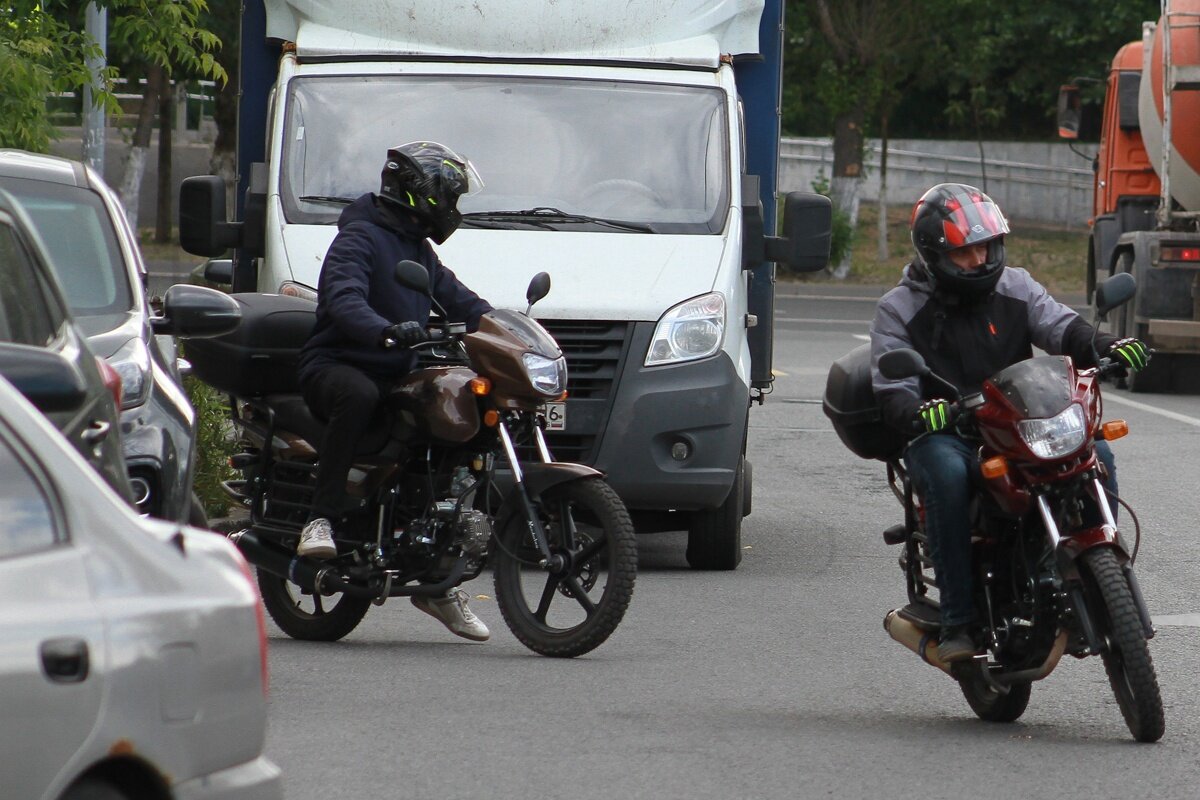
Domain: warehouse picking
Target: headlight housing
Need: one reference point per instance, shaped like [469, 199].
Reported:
[1057, 436]
[547, 375]
[132, 363]
[293, 289]
[691, 330]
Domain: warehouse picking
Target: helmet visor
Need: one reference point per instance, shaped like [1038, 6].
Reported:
[452, 170]
[971, 219]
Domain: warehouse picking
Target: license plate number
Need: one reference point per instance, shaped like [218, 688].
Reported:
[556, 416]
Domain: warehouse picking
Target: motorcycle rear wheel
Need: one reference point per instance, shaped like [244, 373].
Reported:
[308, 616]
[1126, 653]
[992, 706]
[568, 613]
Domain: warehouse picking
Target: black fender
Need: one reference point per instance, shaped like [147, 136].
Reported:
[537, 478]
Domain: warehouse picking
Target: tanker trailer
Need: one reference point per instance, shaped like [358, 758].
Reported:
[1146, 192]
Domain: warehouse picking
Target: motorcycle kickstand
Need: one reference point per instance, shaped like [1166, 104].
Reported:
[385, 592]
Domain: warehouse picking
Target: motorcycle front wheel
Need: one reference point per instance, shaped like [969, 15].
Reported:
[1126, 653]
[302, 614]
[568, 612]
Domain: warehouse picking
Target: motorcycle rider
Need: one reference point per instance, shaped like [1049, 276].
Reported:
[969, 315]
[367, 324]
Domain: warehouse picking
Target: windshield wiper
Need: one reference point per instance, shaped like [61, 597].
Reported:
[323, 198]
[545, 214]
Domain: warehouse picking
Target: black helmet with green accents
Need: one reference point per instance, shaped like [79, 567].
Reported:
[426, 179]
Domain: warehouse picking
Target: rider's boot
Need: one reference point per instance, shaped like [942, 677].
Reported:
[956, 644]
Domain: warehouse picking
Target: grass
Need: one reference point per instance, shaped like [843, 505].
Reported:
[1055, 256]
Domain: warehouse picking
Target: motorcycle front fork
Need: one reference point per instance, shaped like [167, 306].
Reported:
[549, 561]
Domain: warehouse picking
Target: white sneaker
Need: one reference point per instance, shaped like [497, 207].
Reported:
[453, 612]
[316, 540]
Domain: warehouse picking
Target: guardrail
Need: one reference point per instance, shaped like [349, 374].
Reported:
[194, 101]
[1045, 182]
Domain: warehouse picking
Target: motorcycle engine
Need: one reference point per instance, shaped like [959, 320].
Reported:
[474, 531]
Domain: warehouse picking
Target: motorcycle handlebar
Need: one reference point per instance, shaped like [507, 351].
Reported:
[431, 335]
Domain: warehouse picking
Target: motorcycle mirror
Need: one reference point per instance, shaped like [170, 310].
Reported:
[1114, 292]
[412, 275]
[539, 287]
[902, 363]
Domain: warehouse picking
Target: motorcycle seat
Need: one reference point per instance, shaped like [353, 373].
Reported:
[293, 414]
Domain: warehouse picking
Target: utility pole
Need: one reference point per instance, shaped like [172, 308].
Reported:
[94, 133]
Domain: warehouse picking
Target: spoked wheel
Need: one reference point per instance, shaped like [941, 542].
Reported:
[1126, 653]
[304, 615]
[572, 610]
[992, 705]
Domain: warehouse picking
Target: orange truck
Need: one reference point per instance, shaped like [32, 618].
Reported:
[1146, 192]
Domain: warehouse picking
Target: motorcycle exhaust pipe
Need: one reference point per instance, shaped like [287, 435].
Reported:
[304, 572]
[920, 642]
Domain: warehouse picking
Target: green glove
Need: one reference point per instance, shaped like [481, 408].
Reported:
[936, 415]
[1131, 352]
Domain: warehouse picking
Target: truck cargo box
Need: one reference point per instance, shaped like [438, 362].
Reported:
[260, 355]
[850, 404]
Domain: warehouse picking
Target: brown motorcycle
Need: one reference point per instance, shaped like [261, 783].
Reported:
[455, 474]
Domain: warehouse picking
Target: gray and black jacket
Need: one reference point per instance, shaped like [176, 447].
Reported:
[968, 341]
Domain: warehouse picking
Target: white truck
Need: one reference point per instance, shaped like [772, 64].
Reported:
[628, 148]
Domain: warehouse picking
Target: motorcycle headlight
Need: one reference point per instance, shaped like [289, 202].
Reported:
[693, 329]
[132, 363]
[548, 375]
[1058, 436]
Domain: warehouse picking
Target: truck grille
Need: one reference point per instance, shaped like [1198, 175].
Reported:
[595, 352]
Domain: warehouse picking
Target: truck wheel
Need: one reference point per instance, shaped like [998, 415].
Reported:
[715, 534]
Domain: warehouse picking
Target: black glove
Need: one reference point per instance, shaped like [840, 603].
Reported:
[935, 415]
[1131, 352]
[405, 334]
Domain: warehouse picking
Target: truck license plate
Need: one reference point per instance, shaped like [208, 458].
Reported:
[556, 416]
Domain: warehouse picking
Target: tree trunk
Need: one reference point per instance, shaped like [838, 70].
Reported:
[847, 175]
[135, 161]
[882, 253]
[162, 223]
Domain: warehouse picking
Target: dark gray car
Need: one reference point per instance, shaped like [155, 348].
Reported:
[99, 265]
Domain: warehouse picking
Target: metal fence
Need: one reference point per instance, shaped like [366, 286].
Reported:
[1042, 182]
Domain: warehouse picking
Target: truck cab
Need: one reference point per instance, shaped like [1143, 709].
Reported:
[613, 140]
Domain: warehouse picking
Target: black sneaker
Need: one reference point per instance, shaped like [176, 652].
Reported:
[955, 644]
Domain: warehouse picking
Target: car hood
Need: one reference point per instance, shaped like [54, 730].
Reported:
[106, 333]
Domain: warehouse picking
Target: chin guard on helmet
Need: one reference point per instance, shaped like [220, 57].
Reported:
[954, 215]
[426, 179]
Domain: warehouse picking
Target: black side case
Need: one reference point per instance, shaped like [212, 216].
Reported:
[850, 404]
[260, 355]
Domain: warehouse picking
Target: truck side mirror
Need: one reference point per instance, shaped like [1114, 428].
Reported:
[1069, 111]
[203, 230]
[807, 231]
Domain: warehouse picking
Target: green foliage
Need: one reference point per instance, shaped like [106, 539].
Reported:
[213, 446]
[44, 50]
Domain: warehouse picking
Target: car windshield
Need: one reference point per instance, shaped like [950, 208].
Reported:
[78, 233]
[651, 154]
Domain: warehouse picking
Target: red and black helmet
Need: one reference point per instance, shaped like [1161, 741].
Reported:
[953, 215]
[426, 179]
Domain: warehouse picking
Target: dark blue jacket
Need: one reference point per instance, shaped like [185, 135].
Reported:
[358, 296]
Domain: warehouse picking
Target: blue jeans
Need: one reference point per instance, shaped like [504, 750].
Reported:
[943, 468]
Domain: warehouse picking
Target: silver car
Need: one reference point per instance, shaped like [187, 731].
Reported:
[132, 650]
[99, 265]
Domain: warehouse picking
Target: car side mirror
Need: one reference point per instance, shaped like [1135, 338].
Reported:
[1069, 111]
[896, 365]
[196, 312]
[49, 381]
[807, 233]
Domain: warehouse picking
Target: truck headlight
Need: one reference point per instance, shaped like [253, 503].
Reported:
[693, 329]
[1058, 436]
[132, 363]
[548, 375]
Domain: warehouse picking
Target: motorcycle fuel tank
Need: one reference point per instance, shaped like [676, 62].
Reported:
[441, 401]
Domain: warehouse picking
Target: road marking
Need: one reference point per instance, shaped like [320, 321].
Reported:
[834, 298]
[1177, 620]
[778, 372]
[823, 321]
[1162, 412]
[863, 336]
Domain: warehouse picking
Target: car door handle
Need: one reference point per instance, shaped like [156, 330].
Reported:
[65, 660]
[96, 432]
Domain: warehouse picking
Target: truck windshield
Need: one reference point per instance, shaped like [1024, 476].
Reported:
[652, 154]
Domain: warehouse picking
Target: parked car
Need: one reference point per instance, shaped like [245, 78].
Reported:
[99, 265]
[34, 315]
[134, 662]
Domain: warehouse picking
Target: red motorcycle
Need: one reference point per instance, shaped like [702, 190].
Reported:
[1046, 581]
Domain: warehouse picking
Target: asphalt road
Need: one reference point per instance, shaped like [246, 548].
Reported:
[774, 681]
